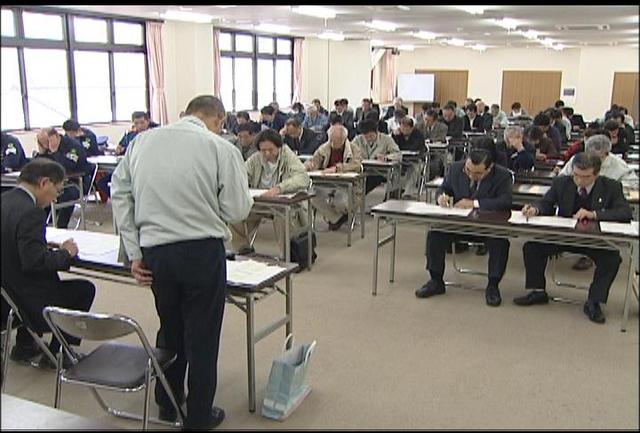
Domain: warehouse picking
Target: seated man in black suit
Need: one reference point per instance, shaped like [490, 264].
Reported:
[454, 123]
[29, 268]
[583, 196]
[474, 183]
[302, 141]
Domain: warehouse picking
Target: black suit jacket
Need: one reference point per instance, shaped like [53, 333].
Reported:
[29, 267]
[493, 193]
[455, 127]
[307, 144]
[476, 126]
[607, 199]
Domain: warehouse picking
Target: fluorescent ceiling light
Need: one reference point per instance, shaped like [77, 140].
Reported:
[331, 36]
[530, 34]
[376, 43]
[406, 47]
[475, 10]
[403, 8]
[507, 23]
[546, 42]
[456, 42]
[385, 26]
[558, 47]
[479, 47]
[192, 17]
[425, 35]
[272, 28]
[314, 11]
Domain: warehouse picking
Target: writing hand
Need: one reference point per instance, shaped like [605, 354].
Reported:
[529, 210]
[381, 157]
[464, 203]
[70, 246]
[444, 200]
[272, 192]
[330, 170]
[584, 215]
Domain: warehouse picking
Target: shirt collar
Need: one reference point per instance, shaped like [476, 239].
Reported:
[194, 120]
[25, 189]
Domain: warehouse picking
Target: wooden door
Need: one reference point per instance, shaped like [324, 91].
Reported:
[449, 85]
[535, 90]
[625, 92]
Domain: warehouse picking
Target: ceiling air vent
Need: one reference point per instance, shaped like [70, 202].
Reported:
[583, 27]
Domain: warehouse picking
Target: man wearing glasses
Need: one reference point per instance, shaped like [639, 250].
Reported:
[474, 183]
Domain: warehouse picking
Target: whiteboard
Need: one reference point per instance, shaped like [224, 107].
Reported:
[416, 87]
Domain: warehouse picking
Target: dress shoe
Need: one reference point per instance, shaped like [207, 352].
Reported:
[533, 297]
[217, 416]
[492, 296]
[430, 289]
[23, 354]
[46, 363]
[246, 251]
[481, 251]
[593, 312]
[582, 264]
[336, 225]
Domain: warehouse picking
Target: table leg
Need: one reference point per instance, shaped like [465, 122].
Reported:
[630, 276]
[288, 309]
[351, 214]
[309, 236]
[362, 207]
[287, 234]
[376, 247]
[82, 204]
[251, 353]
[392, 269]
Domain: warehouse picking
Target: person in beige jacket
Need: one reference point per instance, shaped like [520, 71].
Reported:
[276, 169]
[375, 145]
[338, 155]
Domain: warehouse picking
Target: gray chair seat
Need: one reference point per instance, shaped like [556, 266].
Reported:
[117, 365]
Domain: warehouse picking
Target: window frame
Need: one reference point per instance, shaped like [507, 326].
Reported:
[254, 56]
[70, 45]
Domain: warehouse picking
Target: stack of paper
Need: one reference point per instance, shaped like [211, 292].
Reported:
[432, 209]
[548, 221]
[92, 246]
[630, 229]
[250, 272]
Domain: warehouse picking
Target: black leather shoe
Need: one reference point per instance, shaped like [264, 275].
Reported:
[532, 298]
[46, 363]
[217, 416]
[336, 226]
[593, 312]
[582, 264]
[481, 251]
[246, 251]
[23, 354]
[430, 289]
[492, 296]
[168, 414]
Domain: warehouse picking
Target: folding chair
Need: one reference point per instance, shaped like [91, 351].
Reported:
[113, 365]
[82, 201]
[15, 311]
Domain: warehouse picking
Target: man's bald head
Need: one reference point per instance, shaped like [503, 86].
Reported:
[337, 136]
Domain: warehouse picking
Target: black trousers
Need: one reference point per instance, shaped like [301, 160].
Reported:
[189, 284]
[72, 294]
[64, 215]
[373, 182]
[438, 242]
[607, 264]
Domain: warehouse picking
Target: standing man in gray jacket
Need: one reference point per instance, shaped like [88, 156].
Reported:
[173, 194]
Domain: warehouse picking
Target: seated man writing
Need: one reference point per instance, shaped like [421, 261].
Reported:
[410, 138]
[338, 155]
[583, 196]
[29, 267]
[375, 145]
[474, 183]
[278, 170]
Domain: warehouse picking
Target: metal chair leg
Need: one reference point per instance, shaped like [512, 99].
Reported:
[147, 394]
[7, 343]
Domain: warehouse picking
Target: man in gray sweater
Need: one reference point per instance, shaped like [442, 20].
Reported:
[173, 194]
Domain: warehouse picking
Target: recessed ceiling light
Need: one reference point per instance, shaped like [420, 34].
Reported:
[425, 35]
[479, 47]
[475, 10]
[546, 42]
[487, 34]
[376, 43]
[403, 8]
[456, 42]
[332, 36]
[385, 26]
[272, 28]
[558, 47]
[406, 47]
[507, 23]
[191, 17]
[183, 8]
[530, 34]
[314, 11]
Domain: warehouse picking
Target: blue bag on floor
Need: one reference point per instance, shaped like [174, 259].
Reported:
[286, 388]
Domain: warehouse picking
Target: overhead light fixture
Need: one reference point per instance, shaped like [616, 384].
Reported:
[272, 28]
[530, 34]
[376, 43]
[332, 36]
[455, 42]
[479, 47]
[406, 47]
[507, 23]
[558, 47]
[314, 11]
[192, 17]
[474, 10]
[385, 26]
[425, 35]
[546, 42]
[403, 8]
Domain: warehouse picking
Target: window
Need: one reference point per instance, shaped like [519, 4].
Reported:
[75, 65]
[255, 70]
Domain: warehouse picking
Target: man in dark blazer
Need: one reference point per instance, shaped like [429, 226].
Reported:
[454, 123]
[474, 183]
[29, 267]
[583, 196]
[301, 140]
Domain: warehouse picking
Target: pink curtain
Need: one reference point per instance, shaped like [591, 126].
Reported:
[216, 63]
[155, 57]
[297, 70]
[387, 77]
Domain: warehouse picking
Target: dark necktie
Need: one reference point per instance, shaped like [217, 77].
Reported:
[583, 193]
[473, 186]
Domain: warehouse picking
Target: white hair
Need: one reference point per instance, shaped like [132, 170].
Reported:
[598, 143]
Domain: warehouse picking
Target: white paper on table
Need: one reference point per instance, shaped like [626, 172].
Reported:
[320, 173]
[250, 272]
[548, 221]
[630, 229]
[258, 192]
[432, 209]
[90, 244]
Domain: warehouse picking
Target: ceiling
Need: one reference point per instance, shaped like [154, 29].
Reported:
[587, 25]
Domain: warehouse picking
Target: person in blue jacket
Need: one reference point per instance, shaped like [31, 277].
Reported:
[141, 122]
[13, 157]
[84, 136]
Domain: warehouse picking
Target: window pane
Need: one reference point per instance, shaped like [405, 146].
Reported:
[130, 81]
[283, 83]
[90, 30]
[243, 83]
[265, 45]
[225, 41]
[226, 82]
[265, 82]
[8, 28]
[12, 114]
[244, 43]
[92, 84]
[127, 33]
[47, 86]
[42, 26]
[284, 47]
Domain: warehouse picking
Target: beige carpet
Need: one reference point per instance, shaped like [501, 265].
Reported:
[395, 361]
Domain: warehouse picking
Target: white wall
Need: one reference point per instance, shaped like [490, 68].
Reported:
[589, 70]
